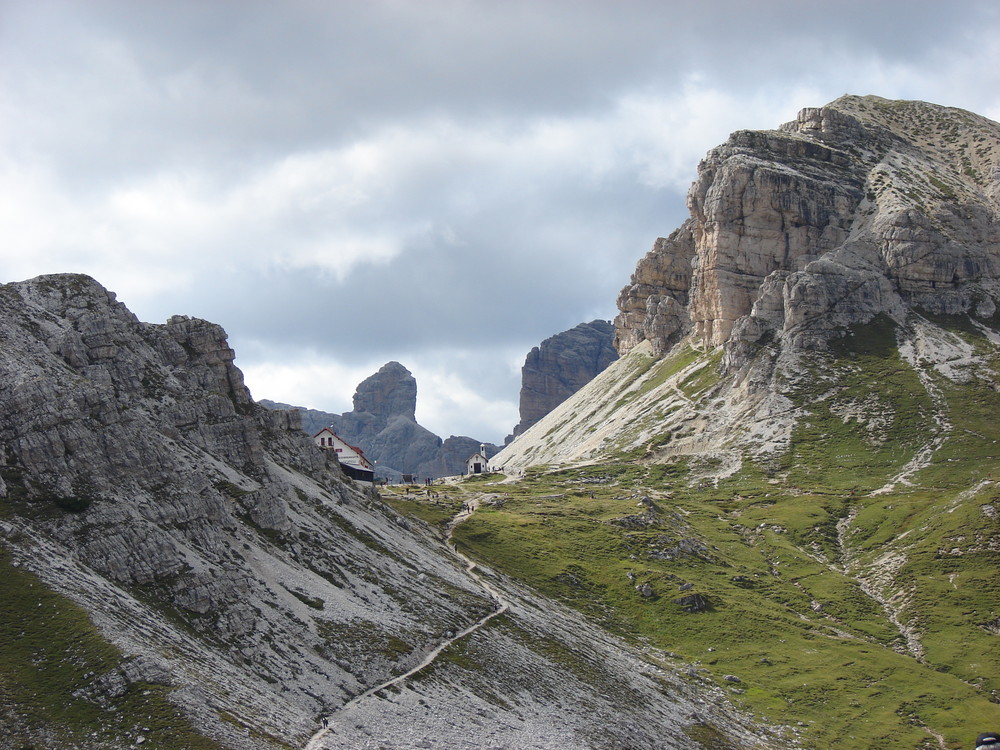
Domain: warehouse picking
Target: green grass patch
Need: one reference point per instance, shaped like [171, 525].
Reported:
[868, 415]
[705, 378]
[435, 510]
[59, 679]
[806, 642]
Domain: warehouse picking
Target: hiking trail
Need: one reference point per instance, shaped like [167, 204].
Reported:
[501, 606]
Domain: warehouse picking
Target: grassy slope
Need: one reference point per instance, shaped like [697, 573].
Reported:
[51, 660]
[806, 642]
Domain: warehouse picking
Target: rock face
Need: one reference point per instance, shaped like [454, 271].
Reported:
[862, 207]
[150, 487]
[388, 394]
[383, 421]
[383, 424]
[866, 212]
[560, 366]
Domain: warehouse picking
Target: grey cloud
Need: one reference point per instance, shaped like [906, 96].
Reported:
[245, 76]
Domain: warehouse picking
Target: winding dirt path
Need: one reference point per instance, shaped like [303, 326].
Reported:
[501, 606]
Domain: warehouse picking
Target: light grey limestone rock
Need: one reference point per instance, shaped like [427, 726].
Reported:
[151, 488]
[857, 209]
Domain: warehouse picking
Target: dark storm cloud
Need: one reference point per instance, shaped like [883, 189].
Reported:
[444, 183]
[249, 79]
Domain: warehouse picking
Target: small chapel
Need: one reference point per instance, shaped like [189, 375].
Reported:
[477, 463]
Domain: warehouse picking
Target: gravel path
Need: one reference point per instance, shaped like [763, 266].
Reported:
[501, 606]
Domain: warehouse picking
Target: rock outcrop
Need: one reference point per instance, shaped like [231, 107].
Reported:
[142, 479]
[383, 424]
[866, 212]
[860, 208]
[560, 366]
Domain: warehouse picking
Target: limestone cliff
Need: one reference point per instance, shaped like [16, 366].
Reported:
[383, 422]
[139, 477]
[866, 212]
[560, 366]
[861, 207]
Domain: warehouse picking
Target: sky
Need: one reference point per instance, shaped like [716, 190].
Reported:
[443, 183]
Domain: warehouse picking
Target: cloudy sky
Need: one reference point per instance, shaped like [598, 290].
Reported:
[444, 183]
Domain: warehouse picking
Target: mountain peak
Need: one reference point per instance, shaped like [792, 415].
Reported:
[862, 207]
[863, 214]
[390, 392]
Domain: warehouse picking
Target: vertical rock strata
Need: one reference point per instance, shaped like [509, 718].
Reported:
[862, 207]
[560, 366]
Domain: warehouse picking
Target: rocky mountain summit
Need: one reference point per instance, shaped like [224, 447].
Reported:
[561, 365]
[862, 210]
[859, 208]
[383, 424]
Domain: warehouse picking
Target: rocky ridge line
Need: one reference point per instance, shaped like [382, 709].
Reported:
[860, 208]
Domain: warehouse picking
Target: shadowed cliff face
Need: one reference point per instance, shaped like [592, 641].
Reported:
[856, 209]
[390, 392]
[383, 421]
[560, 366]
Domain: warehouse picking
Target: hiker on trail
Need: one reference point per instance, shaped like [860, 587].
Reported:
[988, 741]
[326, 723]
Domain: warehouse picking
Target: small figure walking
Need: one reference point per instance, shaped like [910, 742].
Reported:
[326, 723]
